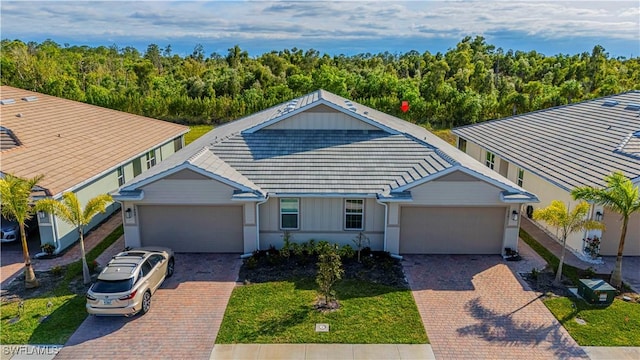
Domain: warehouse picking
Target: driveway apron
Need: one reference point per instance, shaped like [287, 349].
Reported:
[185, 316]
[474, 307]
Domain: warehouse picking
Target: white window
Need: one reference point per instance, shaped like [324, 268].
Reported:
[289, 213]
[490, 160]
[354, 214]
[151, 159]
[120, 176]
[520, 177]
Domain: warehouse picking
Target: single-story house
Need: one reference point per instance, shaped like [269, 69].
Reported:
[550, 152]
[322, 167]
[78, 148]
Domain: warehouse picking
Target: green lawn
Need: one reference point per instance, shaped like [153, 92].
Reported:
[64, 316]
[615, 325]
[282, 312]
[196, 132]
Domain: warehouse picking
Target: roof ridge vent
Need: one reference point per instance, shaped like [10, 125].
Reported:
[30, 98]
[633, 106]
[610, 103]
[7, 101]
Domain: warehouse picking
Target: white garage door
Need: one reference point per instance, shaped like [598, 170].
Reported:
[451, 230]
[192, 228]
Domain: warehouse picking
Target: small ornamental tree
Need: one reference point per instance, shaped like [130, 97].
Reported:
[567, 221]
[360, 241]
[69, 210]
[329, 270]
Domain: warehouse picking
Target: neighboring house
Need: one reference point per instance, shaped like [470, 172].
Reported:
[322, 167]
[78, 147]
[550, 152]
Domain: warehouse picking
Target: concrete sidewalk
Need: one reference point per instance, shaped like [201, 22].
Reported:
[322, 351]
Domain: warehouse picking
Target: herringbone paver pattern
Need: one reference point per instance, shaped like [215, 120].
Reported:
[183, 323]
[473, 307]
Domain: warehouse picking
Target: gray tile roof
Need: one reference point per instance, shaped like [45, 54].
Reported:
[572, 145]
[330, 161]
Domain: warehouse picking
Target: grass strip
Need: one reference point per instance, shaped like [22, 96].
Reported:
[569, 271]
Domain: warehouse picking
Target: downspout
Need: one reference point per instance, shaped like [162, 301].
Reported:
[386, 216]
[244, 256]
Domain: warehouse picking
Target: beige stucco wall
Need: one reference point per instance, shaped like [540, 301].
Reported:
[611, 236]
[547, 192]
[321, 219]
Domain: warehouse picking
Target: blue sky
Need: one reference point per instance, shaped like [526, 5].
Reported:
[340, 27]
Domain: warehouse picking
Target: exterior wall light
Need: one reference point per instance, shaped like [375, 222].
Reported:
[514, 215]
[598, 215]
[127, 213]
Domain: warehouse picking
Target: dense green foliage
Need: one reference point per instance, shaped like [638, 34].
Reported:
[469, 83]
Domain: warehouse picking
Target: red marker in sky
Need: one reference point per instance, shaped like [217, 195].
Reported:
[405, 106]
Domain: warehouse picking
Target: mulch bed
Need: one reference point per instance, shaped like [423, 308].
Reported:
[376, 267]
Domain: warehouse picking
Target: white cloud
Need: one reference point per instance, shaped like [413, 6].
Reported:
[313, 20]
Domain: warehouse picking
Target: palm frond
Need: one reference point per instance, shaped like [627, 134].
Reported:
[96, 205]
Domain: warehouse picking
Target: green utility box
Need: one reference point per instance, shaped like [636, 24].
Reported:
[596, 291]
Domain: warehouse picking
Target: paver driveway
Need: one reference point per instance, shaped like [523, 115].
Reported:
[473, 307]
[186, 313]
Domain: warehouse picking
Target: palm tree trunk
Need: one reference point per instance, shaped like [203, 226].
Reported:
[30, 280]
[616, 277]
[85, 268]
[558, 279]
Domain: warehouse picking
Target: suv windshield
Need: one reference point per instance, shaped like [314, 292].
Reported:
[116, 286]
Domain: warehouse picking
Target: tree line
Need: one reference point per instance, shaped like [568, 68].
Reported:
[470, 83]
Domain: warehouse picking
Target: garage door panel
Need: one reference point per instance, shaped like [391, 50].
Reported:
[451, 230]
[192, 228]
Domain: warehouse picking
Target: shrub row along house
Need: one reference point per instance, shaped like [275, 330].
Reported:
[78, 148]
[550, 152]
[326, 168]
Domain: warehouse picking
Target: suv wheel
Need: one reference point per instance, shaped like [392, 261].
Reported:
[146, 302]
[170, 267]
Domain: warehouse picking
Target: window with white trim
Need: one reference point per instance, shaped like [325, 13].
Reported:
[289, 213]
[490, 160]
[121, 176]
[354, 214]
[151, 159]
[520, 179]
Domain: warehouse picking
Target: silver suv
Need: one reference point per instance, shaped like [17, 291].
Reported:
[128, 281]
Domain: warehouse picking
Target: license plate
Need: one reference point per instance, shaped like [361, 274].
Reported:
[107, 301]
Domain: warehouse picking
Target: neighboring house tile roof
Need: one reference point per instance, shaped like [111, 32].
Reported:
[572, 145]
[391, 159]
[71, 142]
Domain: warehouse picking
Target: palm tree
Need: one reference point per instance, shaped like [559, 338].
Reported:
[620, 196]
[15, 196]
[558, 215]
[70, 211]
